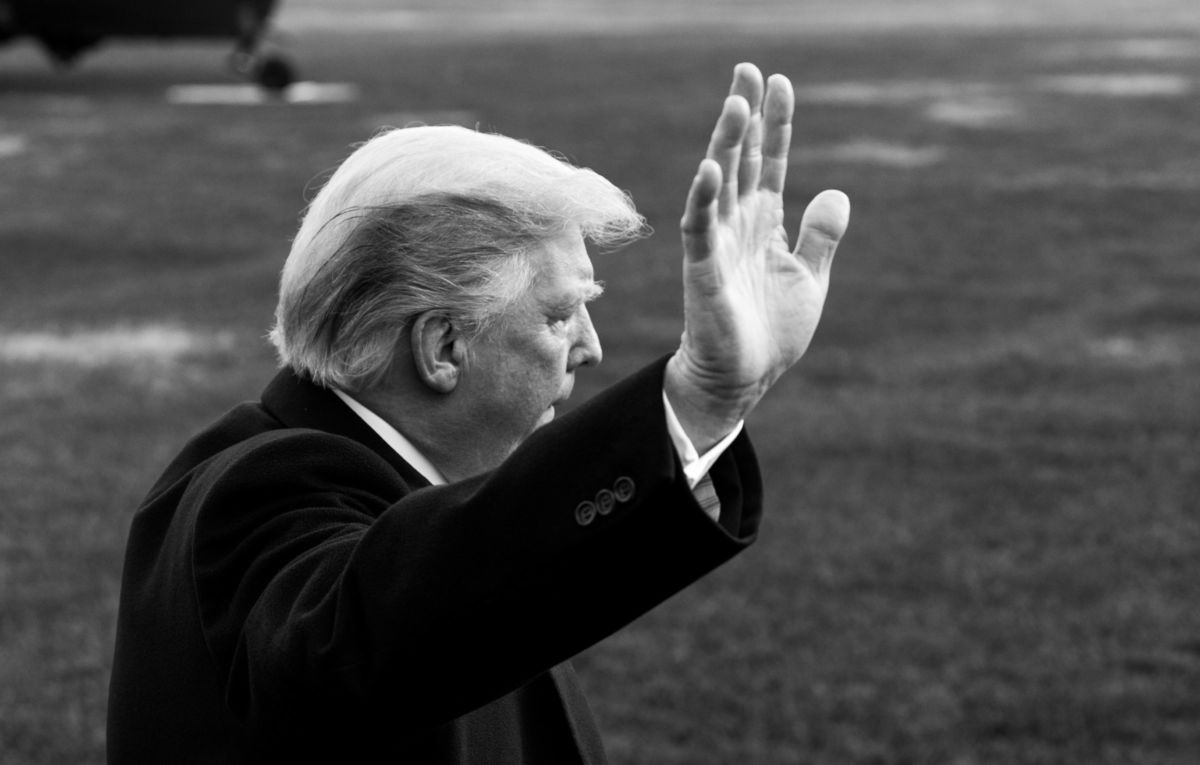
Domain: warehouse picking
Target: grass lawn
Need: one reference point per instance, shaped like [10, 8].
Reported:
[983, 482]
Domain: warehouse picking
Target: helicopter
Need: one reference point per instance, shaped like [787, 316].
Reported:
[69, 28]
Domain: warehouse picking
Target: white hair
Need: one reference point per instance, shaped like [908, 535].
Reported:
[427, 218]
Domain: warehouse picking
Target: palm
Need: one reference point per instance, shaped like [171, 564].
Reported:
[751, 303]
[752, 306]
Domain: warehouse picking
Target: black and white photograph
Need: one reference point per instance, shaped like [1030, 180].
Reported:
[585, 382]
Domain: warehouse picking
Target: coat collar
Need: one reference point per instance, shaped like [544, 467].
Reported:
[298, 402]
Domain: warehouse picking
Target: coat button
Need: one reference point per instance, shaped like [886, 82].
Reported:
[585, 513]
[623, 489]
[605, 501]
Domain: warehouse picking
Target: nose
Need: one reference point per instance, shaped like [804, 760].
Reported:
[586, 351]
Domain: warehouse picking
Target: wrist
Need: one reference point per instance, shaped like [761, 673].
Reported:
[706, 412]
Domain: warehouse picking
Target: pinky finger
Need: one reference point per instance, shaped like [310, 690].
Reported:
[698, 226]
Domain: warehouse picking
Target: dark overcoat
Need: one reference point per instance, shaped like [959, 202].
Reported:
[293, 591]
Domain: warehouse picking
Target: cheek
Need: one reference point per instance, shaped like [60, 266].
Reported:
[533, 374]
[541, 384]
[546, 379]
[557, 362]
[546, 359]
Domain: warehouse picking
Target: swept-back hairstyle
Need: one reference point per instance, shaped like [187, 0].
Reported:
[427, 218]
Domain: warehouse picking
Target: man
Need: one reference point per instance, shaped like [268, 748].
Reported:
[393, 556]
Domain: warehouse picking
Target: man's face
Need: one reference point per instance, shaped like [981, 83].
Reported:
[524, 364]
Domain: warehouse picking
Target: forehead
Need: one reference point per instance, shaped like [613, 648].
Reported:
[562, 264]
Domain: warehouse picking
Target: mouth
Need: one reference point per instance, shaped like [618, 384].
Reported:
[552, 410]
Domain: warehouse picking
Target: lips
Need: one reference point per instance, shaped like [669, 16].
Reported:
[560, 400]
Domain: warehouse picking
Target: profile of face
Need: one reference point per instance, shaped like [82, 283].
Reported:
[524, 364]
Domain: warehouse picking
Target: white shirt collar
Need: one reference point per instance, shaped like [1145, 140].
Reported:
[394, 439]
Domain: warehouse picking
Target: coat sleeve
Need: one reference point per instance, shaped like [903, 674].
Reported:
[322, 595]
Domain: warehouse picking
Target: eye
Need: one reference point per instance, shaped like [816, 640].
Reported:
[561, 314]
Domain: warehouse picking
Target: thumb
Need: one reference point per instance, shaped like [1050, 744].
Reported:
[822, 227]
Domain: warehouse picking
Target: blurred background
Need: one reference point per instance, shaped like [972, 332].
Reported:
[983, 542]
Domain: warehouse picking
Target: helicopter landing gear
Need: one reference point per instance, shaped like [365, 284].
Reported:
[274, 72]
[65, 49]
[255, 58]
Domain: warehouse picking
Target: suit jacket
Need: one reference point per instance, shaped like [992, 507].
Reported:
[294, 591]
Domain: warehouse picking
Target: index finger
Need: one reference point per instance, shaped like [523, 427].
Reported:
[777, 132]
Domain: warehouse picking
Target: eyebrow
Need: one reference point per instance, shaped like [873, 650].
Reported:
[587, 294]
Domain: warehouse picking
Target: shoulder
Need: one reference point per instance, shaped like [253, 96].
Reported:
[298, 463]
[249, 470]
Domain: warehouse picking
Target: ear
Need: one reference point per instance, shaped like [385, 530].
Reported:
[439, 351]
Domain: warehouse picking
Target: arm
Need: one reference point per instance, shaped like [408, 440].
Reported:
[321, 590]
[751, 304]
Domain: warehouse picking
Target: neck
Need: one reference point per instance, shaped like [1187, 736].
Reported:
[436, 426]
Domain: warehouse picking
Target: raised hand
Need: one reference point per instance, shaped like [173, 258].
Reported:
[751, 303]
